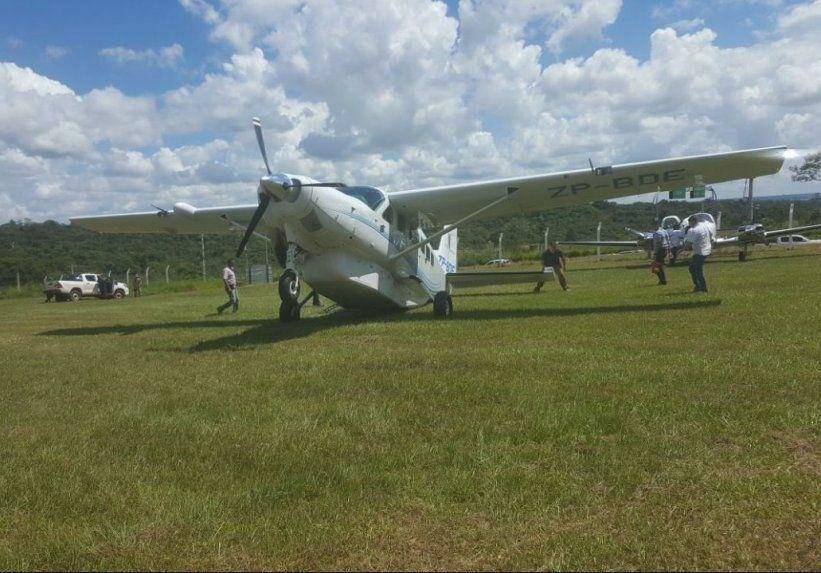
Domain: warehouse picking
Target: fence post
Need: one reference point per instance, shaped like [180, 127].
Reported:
[167, 280]
[128, 277]
[598, 239]
[146, 275]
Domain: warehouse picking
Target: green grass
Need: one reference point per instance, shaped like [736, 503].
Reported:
[621, 425]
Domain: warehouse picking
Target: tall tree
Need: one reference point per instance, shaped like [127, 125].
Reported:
[810, 170]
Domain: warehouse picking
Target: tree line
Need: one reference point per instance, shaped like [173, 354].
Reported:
[51, 248]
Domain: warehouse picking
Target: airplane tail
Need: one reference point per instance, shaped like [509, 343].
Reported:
[447, 251]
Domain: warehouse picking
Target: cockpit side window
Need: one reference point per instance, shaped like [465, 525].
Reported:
[387, 214]
[370, 196]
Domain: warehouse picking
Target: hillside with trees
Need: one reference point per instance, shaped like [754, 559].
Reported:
[51, 248]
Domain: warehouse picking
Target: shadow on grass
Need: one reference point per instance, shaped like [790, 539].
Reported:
[275, 331]
[272, 331]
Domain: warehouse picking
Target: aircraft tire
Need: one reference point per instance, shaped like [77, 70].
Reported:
[288, 287]
[442, 304]
[289, 312]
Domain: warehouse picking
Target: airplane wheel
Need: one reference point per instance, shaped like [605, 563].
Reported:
[288, 312]
[288, 286]
[442, 304]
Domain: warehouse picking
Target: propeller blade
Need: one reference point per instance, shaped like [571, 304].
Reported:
[261, 141]
[249, 232]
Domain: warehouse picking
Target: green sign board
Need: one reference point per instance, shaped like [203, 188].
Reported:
[697, 192]
[680, 193]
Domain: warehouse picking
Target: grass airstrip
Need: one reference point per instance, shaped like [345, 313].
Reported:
[621, 425]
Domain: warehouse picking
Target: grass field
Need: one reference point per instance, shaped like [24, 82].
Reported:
[620, 425]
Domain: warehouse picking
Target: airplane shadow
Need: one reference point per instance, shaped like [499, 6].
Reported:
[271, 331]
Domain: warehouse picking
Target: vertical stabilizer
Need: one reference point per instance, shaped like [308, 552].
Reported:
[447, 251]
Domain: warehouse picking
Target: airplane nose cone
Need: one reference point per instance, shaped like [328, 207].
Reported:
[276, 185]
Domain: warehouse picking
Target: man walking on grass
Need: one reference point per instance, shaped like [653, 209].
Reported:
[553, 257]
[700, 237]
[229, 281]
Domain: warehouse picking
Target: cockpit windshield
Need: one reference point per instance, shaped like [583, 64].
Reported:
[370, 196]
[670, 223]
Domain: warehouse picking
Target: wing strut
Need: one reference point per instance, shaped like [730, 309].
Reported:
[447, 228]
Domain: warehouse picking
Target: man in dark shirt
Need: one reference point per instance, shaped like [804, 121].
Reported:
[553, 257]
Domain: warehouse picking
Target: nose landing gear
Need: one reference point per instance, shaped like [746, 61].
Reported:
[290, 308]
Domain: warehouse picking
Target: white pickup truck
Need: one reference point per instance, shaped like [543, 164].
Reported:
[795, 240]
[85, 284]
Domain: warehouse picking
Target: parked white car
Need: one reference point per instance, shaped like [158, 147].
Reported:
[796, 240]
[498, 262]
[84, 285]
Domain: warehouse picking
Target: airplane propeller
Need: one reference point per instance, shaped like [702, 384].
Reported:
[261, 142]
[265, 193]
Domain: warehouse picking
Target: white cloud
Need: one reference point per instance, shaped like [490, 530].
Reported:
[167, 57]
[55, 53]
[403, 96]
[684, 26]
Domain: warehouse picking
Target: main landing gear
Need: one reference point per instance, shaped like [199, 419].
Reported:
[442, 304]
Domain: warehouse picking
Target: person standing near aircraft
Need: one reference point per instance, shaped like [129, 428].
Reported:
[554, 257]
[661, 245]
[138, 284]
[699, 235]
[229, 281]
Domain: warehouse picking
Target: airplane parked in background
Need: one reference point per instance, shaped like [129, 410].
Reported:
[367, 249]
[746, 235]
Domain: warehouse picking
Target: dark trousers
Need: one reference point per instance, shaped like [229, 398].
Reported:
[659, 257]
[559, 272]
[697, 272]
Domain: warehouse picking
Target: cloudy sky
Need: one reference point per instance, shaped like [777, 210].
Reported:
[112, 106]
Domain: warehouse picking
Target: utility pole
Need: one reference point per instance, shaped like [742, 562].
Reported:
[202, 247]
[598, 238]
[146, 275]
[501, 236]
[546, 235]
[792, 208]
[750, 199]
[167, 280]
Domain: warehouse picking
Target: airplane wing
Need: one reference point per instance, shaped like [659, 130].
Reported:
[491, 278]
[601, 243]
[791, 230]
[768, 234]
[182, 219]
[540, 192]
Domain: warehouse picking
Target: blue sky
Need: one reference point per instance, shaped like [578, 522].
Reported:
[150, 101]
[84, 28]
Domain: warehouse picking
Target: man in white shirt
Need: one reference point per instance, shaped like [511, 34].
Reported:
[229, 281]
[701, 238]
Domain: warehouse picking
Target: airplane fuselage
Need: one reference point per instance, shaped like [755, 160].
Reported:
[341, 241]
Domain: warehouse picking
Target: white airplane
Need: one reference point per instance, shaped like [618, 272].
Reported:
[365, 249]
[747, 235]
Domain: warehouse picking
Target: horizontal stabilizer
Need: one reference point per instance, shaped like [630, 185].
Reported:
[477, 279]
